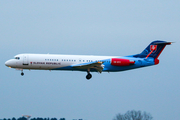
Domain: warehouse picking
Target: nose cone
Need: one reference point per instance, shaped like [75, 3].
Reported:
[9, 63]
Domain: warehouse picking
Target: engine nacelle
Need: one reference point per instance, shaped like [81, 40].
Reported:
[121, 62]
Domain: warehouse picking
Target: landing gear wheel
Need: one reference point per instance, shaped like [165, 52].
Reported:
[88, 76]
[22, 73]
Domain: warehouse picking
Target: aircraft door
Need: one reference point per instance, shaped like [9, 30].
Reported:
[25, 60]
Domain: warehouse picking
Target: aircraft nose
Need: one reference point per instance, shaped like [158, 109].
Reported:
[8, 63]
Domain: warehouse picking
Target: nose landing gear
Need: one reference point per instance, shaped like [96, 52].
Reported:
[22, 73]
[88, 76]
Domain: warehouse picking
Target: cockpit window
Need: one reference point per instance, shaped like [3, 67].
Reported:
[17, 58]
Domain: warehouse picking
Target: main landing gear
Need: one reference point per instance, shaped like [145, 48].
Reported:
[88, 76]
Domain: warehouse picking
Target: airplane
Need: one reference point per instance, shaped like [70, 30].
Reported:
[89, 63]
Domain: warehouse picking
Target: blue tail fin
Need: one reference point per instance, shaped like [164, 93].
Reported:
[154, 49]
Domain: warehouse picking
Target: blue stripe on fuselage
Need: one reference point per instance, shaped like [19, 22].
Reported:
[139, 62]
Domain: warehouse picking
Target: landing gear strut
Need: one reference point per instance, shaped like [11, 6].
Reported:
[88, 76]
[22, 73]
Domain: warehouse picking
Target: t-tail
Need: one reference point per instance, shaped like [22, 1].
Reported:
[153, 50]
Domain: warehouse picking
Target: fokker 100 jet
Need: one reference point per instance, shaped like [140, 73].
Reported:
[88, 63]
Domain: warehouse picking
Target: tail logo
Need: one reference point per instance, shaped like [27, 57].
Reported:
[153, 48]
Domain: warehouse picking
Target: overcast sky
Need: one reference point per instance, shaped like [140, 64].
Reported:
[89, 27]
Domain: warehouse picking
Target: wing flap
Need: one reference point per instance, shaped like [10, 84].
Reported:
[95, 65]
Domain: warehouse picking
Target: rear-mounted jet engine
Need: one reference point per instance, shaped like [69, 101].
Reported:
[121, 62]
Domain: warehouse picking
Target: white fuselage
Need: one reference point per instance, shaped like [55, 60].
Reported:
[51, 61]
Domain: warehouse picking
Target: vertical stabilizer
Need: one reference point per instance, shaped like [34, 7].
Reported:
[153, 50]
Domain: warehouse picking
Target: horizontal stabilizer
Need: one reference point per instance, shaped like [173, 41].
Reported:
[163, 43]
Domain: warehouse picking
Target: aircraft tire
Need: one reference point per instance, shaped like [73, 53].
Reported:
[22, 74]
[88, 76]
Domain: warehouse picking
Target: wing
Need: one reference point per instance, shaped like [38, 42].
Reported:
[95, 65]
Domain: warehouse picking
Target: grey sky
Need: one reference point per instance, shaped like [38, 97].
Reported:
[92, 28]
